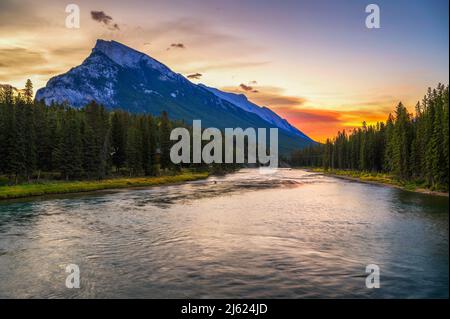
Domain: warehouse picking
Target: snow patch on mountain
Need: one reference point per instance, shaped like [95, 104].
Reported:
[95, 79]
[128, 57]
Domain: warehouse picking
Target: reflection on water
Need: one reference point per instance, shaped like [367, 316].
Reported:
[294, 234]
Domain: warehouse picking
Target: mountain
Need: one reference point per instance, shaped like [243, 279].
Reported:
[118, 76]
[15, 90]
[265, 113]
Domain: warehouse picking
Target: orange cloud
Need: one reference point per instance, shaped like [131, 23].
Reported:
[321, 124]
[318, 123]
[17, 63]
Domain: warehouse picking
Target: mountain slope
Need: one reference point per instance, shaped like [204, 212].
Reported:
[265, 113]
[119, 77]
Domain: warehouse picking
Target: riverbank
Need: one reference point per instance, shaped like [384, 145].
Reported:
[380, 179]
[62, 187]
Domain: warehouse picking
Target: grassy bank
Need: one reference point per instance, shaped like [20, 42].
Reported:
[61, 187]
[380, 178]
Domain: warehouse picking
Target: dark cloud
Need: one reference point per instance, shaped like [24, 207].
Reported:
[249, 87]
[252, 82]
[246, 88]
[102, 17]
[177, 46]
[195, 76]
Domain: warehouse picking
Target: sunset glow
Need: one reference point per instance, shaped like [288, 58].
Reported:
[314, 63]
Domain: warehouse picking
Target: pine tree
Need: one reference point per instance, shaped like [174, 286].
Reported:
[389, 142]
[29, 136]
[153, 145]
[146, 148]
[363, 148]
[165, 142]
[134, 151]
[410, 148]
[43, 138]
[118, 139]
[28, 92]
[445, 134]
[96, 140]
[69, 150]
[10, 149]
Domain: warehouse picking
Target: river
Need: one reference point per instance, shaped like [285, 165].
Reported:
[292, 234]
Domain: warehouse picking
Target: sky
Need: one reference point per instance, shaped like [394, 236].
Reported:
[313, 62]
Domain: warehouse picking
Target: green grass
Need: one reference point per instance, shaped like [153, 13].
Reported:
[381, 178]
[364, 176]
[60, 187]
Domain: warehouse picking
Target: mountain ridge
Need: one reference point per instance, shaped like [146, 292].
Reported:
[265, 113]
[118, 76]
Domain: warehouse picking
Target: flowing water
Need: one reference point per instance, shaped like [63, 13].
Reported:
[294, 234]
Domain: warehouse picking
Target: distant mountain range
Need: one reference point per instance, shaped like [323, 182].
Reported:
[118, 76]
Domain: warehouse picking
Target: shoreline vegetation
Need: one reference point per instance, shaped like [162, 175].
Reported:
[378, 179]
[54, 187]
[408, 150]
[43, 188]
[57, 149]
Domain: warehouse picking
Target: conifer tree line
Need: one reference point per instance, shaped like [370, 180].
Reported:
[60, 142]
[410, 147]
